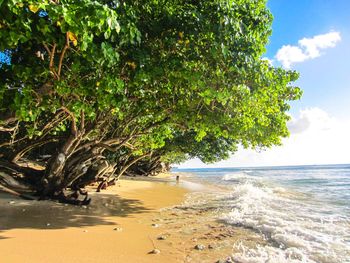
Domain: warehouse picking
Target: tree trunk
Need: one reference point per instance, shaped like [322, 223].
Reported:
[54, 179]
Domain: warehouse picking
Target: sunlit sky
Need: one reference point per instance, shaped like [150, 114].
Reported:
[312, 37]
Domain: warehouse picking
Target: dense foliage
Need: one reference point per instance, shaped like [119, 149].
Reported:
[97, 89]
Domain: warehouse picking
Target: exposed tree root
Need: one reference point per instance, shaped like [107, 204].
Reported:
[15, 193]
[73, 199]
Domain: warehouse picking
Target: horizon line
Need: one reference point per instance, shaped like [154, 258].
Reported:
[262, 166]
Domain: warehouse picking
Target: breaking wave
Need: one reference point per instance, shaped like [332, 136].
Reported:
[296, 228]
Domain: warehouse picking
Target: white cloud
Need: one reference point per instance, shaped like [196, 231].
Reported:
[316, 138]
[290, 54]
[311, 119]
[315, 44]
[307, 48]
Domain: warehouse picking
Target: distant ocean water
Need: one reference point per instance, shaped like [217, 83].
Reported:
[303, 212]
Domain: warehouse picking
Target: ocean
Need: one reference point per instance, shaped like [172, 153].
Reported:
[302, 212]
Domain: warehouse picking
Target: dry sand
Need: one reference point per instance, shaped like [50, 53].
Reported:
[116, 227]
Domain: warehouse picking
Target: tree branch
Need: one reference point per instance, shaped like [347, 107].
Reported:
[82, 120]
[74, 124]
[52, 56]
[130, 164]
[62, 55]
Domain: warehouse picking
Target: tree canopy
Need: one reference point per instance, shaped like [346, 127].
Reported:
[92, 90]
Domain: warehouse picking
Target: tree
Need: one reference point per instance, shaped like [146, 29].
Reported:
[102, 87]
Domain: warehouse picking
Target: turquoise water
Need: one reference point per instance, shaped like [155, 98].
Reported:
[303, 212]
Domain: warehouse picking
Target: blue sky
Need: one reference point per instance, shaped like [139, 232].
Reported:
[319, 31]
[295, 19]
[326, 79]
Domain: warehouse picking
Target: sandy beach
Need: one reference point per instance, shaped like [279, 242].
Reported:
[116, 227]
[122, 224]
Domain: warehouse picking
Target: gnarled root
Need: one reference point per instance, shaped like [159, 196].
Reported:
[73, 198]
[105, 183]
[102, 186]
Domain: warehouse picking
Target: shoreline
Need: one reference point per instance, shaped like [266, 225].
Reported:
[122, 224]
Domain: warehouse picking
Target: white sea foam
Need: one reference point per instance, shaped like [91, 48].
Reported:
[297, 231]
[263, 254]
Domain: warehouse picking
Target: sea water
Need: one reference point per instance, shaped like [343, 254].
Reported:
[303, 212]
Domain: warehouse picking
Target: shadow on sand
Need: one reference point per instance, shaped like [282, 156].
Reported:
[18, 213]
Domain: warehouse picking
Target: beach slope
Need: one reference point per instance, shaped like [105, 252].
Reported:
[118, 226]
